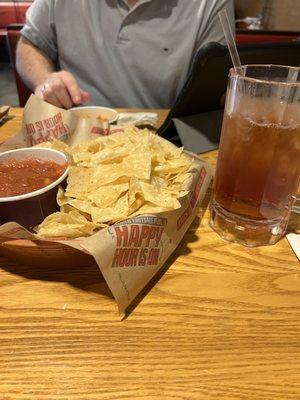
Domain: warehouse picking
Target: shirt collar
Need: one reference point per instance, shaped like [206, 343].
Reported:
[137, 4]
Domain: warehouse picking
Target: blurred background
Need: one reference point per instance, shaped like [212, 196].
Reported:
[278, 15]
[257, 21]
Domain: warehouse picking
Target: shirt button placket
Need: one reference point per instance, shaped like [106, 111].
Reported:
[121, 38]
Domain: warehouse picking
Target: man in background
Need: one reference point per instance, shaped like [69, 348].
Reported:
[115, 53]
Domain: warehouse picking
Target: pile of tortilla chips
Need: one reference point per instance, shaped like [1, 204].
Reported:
[116, 177]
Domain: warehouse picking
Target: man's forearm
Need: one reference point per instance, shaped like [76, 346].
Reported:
[38, 72]
[32, 65]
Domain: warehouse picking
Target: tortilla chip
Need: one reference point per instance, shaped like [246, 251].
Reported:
[65, 225]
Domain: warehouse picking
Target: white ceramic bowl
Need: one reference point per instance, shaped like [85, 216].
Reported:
[32, 208]
[94, 112]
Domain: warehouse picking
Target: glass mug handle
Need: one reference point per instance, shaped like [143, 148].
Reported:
[296, 205]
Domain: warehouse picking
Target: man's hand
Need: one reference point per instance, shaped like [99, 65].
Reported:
[61, 89]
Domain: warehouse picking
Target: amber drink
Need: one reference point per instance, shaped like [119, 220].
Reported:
[258, 166]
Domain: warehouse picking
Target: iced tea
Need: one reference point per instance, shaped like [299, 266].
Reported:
[258, 169]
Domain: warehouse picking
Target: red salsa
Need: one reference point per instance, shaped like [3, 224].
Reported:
[21, 177]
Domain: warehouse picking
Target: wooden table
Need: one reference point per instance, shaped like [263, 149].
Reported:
[220, 321]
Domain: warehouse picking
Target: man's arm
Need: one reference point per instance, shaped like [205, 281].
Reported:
[38, 72]
[33, 66]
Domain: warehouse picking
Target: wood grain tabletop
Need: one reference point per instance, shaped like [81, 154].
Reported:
[219, 321]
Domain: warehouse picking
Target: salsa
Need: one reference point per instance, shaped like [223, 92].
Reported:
[21, 177]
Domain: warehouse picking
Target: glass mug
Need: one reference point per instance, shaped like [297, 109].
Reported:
[258, 168]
